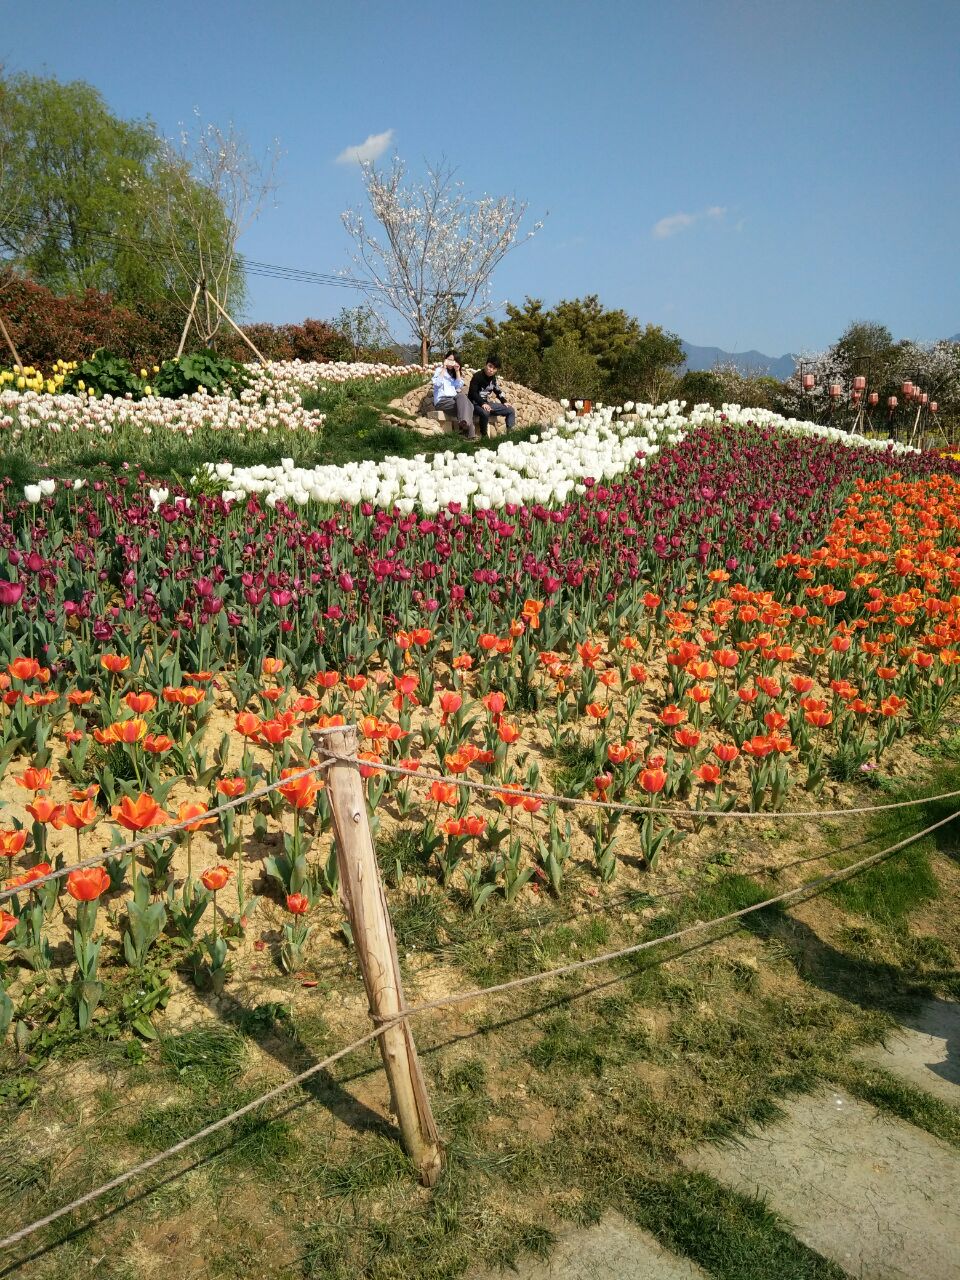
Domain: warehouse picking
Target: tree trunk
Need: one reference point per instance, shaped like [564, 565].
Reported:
[424, 350]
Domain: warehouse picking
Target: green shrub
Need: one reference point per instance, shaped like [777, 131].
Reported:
[105, 374]
[186, 375]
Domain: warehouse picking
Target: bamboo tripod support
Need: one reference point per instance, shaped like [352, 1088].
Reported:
[362, 891]
[208, 297]
[9, 341]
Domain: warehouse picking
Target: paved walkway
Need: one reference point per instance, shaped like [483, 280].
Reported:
[926, 1051]
[612, 1250]
[873, 1193]
[877, 1195]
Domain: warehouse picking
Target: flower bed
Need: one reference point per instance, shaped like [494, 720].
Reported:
[754, 608]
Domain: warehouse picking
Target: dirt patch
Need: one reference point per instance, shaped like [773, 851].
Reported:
[532, 408]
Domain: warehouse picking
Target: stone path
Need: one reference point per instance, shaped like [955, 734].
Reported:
[926, 1052]
[612, 1250]
[873, 1193]
[877, 1195]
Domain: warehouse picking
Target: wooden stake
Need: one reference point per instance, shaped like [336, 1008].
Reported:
[9, 341]
[362, 891]
[186, 327]
[235, 326]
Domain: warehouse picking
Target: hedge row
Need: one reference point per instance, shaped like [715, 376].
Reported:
[45, 327]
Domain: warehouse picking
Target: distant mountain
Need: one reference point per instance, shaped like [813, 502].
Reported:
[746, 361]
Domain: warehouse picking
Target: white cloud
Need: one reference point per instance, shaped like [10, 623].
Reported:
[675, 222]
[372, 149]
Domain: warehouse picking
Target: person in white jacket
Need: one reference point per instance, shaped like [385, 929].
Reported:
[449, 394]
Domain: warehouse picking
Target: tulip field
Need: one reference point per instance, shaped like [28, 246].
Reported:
[689, 611]
[676, 608]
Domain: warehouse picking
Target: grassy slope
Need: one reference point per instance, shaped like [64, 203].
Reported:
[555, 1104]
[353, 431]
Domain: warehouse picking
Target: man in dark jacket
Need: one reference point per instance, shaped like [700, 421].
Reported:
[488, 398]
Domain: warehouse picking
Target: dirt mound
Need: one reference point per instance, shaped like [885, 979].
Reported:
[532, 408]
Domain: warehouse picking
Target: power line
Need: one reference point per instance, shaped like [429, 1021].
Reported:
[252, 266]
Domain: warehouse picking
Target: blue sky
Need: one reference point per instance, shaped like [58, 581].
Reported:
[747, 173]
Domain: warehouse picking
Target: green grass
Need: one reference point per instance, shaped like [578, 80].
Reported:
[733, 1237]
[890, 1093]
[894, 888]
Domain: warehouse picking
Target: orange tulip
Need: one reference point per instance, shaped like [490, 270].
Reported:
[137, 815]
[653, 780]
[87, 883]
[248, 725]
[450, 704]
[507, 732]
[192, 809]
[8, 922]
[231, 787]
[214, 878]
[23, 668]
[511, 795]
[140, 703]
[301, 792]
[130, 731]
[80, 697]
[80, 815]
[28, 877]
[356, 684]
[272, 666]
[297, 904]
[157, 743]
[369, 768]
[33, 779]
[444, 793]
[708, 774]
[275, 731]
[45, 811]
[12, 842]
[115, 663]
[597, 710]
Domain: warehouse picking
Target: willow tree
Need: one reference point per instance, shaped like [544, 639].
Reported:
[427, 251]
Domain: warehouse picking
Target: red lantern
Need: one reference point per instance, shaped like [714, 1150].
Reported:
[873, 397]
[891, 402]
[933, 406]
[907, 389]
[924, 397]
[859, 382]
[855, 397]
[835, 390]
[808, 381]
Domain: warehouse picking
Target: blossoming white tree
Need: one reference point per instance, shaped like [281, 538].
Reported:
[428, 251]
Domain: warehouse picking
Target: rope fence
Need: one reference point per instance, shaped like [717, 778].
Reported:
[458, 998]
[667, 811]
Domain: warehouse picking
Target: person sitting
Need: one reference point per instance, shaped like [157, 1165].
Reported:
[486, 395]
[449, 395]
